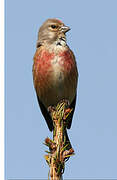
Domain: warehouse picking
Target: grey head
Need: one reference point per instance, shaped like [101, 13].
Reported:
[50, 31]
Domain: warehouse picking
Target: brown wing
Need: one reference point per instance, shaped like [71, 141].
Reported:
[35, 80]
[72, 105]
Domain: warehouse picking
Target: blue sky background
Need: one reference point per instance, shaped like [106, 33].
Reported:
[93, 38]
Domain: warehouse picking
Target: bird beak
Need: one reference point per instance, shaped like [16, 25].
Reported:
[65, 29]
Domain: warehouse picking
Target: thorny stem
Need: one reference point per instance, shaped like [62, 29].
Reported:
[59, 152]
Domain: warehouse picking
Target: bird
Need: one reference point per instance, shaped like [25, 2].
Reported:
[55, 72]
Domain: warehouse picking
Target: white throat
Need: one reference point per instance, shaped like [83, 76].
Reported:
[58, 46]
[61, 42]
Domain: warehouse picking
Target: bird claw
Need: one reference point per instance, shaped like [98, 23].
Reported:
[64, 101]
[67, 112]
[51, 109]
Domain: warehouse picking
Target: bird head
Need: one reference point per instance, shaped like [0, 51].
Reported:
[51, 31]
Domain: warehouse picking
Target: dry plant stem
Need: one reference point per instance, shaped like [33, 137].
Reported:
[58, 151]
[58, 138]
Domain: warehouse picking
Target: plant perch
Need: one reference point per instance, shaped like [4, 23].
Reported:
[60, 147]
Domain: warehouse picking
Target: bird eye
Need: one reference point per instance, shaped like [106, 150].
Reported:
[53, 26]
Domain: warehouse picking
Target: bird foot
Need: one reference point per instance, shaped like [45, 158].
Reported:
[51, 109]
[65, 101]
[67, 112]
